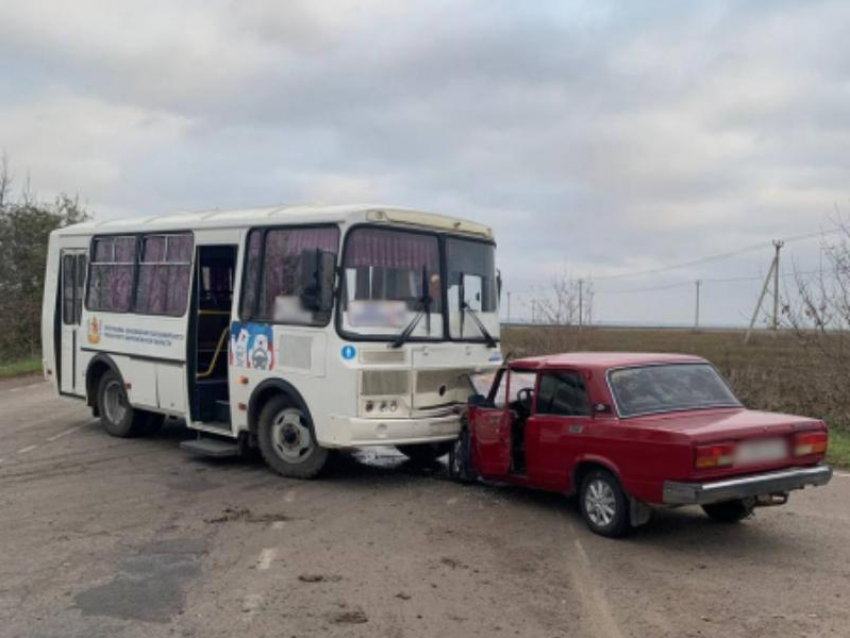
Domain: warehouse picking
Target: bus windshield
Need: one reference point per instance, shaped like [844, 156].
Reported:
[390, 276]
[473, 293]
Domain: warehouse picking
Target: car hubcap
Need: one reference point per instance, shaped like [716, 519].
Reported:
[599, 503]
[114, 402]
[291, 437]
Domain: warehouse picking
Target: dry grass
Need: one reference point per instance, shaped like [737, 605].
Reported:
[773, 372]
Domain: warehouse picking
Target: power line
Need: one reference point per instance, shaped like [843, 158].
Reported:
[718, 256]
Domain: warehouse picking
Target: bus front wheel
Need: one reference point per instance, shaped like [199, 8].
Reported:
[287, 441]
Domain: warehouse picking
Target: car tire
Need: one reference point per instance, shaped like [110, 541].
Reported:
[425, 453]
[728, 511]
[604, 505]
[117, 416]
[287, 440]
[459, 463]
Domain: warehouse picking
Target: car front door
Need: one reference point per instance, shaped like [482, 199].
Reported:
[557, 431]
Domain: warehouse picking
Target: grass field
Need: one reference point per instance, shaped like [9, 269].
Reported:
[773, 372]
[18, 368]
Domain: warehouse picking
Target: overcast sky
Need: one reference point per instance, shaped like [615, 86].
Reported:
[596, 138]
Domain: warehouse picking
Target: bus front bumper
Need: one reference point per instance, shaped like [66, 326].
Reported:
[357, 432]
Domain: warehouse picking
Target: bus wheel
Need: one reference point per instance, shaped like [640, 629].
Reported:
[116, 414]
[287, 442]
[425, 452]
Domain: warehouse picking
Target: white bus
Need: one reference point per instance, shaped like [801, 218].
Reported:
[297, 330]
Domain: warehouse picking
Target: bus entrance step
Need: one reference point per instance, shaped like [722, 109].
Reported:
[215, 448]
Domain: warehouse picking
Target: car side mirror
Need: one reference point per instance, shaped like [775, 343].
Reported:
[318, 275]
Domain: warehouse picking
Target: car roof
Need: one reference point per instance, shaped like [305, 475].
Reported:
[601, 360]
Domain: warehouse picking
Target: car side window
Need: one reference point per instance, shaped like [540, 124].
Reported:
[563, 393]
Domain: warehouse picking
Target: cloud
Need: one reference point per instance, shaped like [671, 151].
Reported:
[594, 136]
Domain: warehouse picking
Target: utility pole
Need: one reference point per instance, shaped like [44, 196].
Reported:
[773, 272]
[696, 320]
[580, 304]
[533, 309]
[509, 306]
[778, 246]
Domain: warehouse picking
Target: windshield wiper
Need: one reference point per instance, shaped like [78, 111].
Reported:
[464, 308]
[423, 307]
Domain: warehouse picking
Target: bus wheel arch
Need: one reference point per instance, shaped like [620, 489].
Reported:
[98, 366]
[282, 425]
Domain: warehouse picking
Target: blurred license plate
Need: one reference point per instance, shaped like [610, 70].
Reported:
[762, 451]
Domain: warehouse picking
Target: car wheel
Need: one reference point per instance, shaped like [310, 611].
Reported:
[728, 511]
[459, 469]
[287, 442]
[604, 505]
[425, 453]
[116, 414]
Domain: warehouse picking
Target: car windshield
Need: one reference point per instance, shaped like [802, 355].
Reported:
[669, 388]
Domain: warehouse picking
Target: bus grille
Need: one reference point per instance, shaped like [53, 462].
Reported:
[375, 383]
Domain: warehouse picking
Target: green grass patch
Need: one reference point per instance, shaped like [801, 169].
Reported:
[838, 453]
[20, 368]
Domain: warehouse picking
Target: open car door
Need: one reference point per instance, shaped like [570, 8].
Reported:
[490, 440]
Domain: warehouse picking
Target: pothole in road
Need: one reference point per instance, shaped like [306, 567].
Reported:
[150, 585]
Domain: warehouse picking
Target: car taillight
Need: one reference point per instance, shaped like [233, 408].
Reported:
[716, 455]
[806, 443]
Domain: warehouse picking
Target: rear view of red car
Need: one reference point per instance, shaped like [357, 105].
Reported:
[629, 432]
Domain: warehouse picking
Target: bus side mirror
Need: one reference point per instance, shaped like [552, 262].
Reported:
[318, 274]
[499, 286]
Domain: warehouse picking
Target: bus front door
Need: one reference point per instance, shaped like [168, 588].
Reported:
[72, 277]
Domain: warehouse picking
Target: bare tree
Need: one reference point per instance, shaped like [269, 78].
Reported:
[819, 315]
[562, 308]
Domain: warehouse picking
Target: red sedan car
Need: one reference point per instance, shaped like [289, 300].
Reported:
[628, 431]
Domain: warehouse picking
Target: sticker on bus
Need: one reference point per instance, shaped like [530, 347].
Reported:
[251, 346]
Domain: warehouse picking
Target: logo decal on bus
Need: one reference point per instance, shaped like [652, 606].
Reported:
[251, 346]
[94, 330]
[348, 352]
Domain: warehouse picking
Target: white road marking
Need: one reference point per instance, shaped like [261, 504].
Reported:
[266, 558]
[26, 449]
[22, 387]
[599, 610]
[65, 433]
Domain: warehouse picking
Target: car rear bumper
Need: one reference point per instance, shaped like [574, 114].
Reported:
[676, 493]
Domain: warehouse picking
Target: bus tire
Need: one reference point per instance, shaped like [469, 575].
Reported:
[287, 441]
[425, 453]
[117, 416]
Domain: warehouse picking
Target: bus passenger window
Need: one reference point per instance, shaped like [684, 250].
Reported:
[274, 281]
[111, 275]
[164, 273]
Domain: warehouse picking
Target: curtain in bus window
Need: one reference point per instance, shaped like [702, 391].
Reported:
[282, 283]
[388, 264]
[252, 273]
[111, 275]
[164, 273]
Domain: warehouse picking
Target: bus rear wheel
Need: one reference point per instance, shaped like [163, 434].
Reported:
[118, 417]
[287, 441]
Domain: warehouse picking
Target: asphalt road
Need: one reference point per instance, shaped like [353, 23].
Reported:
[108, 537]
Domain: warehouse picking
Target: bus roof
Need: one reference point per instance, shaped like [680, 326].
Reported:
[281, 215]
